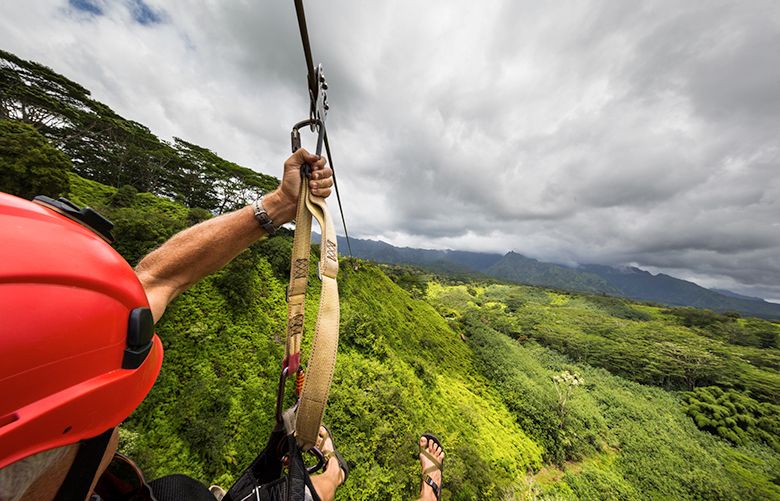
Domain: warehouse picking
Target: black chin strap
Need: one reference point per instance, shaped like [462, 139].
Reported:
[85, 465]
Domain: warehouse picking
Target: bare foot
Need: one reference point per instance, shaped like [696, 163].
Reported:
[332, 475]
[332, 467]
[430, 468]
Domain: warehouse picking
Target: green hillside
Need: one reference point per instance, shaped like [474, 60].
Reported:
[401, 370]
[628, 282]
[614, 439]
[467, 363]
[514, 267]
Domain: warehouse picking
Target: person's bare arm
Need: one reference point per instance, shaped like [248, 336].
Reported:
[205, 248]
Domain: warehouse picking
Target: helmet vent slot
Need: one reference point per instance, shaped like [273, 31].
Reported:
[8, 419]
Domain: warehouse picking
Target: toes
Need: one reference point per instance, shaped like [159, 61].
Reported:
[423, 441]
[323, 440]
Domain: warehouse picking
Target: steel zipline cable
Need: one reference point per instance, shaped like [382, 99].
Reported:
[313, 95]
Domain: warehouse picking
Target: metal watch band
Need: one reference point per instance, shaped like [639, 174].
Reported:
[262, 217]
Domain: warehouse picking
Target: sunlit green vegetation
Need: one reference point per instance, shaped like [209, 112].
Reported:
[401, 371]
[643, 343]
[618, 439]
[472, 369]
[734, 416]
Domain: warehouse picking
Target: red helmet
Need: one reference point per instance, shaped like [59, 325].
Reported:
[77, 346]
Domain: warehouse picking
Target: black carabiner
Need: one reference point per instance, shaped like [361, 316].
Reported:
[280, 395]
[295, 140]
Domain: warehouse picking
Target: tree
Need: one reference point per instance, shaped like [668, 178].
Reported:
[29, 165]
[207, 181]
[113, 150]
[565, 383]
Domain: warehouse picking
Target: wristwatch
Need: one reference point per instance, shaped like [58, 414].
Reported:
[262, 217]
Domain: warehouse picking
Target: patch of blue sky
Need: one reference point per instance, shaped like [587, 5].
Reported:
[87, 6]
[141, 12]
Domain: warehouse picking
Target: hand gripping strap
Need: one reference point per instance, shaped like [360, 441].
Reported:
[325, 343]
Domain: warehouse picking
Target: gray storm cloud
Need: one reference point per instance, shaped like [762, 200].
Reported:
[601, 131]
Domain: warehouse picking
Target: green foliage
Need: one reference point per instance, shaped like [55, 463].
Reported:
[277, 251]
[618, 308]
[530, 394]
[694, 317]
[729, 327]
[86, 193]
[401, 371]
[197, 215]
[139, 231]
[29, 165]
[411, 280]
[651, 348]
[734, 416]
[213, 403]
[142, 221]
[124, 196]
[624, 440]
[206, 180]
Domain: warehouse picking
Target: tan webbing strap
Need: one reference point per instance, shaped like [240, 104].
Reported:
[322, 361]
[299, 279]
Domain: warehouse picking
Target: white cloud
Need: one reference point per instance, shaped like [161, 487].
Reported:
[600, 131]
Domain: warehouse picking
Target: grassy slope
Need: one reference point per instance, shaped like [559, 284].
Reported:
[213, 403]
[622, 440]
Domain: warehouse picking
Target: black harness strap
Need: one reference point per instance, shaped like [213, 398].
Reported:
[179, 488]
[85, 465]
[263, 479]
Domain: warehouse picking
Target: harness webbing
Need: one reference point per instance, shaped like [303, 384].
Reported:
[299, 426]
[322, 361]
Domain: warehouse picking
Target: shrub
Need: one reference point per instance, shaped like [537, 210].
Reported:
[29, 164]
[734, 416]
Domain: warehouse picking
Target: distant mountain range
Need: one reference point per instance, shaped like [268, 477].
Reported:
[629, 282]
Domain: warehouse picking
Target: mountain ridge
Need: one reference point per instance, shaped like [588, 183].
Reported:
[625, 281]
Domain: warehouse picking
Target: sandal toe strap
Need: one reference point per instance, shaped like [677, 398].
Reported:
[432, 458]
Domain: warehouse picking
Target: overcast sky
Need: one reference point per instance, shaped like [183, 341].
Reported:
[606, 132]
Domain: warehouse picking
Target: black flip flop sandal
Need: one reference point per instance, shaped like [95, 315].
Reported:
[326, 455]
[437, 465]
